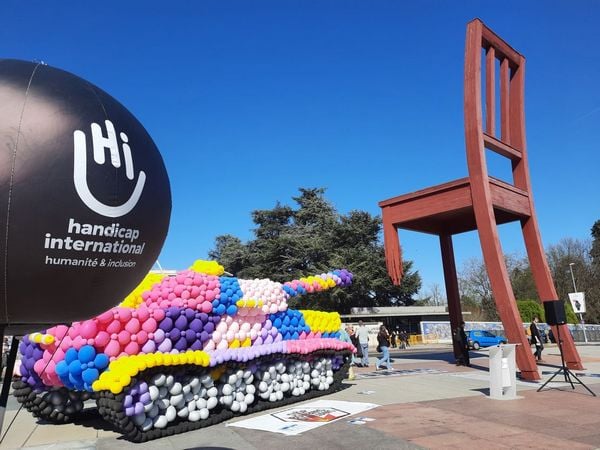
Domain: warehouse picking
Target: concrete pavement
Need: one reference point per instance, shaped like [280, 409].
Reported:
[427, 403]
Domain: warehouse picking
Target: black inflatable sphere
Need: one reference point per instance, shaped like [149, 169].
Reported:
[85, 200]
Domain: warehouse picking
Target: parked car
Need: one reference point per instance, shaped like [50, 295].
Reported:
[482, 338]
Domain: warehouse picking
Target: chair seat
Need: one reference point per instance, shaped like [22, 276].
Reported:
[448, 208]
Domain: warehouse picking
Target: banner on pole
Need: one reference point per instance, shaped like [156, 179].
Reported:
[577, 300]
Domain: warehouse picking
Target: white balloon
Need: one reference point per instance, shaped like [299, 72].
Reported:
[158, 379]
[175, 389]
[204, 413]
[194, 416]
[211, 402]
[153, 391]
[160, 421]
[201, 403]
[147, 424]
[212, 392]
[171, 413]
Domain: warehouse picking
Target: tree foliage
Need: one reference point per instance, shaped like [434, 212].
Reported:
[528, 309]
[579, 255]
[310, 238]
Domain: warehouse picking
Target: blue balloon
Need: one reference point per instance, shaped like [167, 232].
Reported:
[71, 355]
[90, 375]
[101, 361]
[87, 353]
[75, 367]
[62, 368]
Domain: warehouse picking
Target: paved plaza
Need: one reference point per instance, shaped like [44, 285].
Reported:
[426, 402]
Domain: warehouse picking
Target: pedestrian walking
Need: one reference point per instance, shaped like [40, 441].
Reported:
[363, 339]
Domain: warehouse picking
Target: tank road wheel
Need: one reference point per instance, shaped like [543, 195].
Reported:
[57, 405]
[165, 400]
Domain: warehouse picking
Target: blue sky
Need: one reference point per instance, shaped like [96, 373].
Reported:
[250, 100]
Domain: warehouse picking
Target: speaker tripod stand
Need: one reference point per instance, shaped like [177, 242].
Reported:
[564, 369]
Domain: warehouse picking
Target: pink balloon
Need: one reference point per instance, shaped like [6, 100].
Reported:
[150, 325]
[206, 307]
[158, 315]
[178, 289]
[114, 327]
[133, 326]
[102, 339]
[132, 348]
[141, 337]
[88, 329]
[124, 338]
[124, 314]
[112, 349]
[143, 314]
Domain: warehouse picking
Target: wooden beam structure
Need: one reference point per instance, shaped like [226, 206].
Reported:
[480, 202]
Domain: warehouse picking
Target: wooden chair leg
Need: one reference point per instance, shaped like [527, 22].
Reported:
[545, 286]
[503, 293]
[452, 293]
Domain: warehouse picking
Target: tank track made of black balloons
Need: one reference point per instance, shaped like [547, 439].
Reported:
[57, 405]
[187, 397]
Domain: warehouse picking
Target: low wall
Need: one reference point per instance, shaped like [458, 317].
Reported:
[440, 332]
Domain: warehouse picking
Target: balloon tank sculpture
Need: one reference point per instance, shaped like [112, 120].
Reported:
[187, 351]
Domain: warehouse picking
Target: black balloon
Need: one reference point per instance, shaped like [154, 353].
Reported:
[85, 200]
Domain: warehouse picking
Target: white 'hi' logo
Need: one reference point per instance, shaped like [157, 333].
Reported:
[100, 143]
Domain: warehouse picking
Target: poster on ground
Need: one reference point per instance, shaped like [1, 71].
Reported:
[297, 419]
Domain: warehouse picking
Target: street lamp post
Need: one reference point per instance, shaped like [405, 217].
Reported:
[580, 314]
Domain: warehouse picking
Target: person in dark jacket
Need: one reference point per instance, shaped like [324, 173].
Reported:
[536, 339]
[383, 343]
[463, 344]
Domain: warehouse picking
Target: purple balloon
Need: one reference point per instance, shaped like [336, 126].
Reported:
[165, 346]
[209, 327]
[173, 312]
[204, 336]
[190, 336]
[149, 347]
[190, 314]
[196, 325]
[181, 322]
[203, 317]
[181, 344]
[166, 324]
[128, 401]
[138, 408]
[196, 345]
[159, 336]
[145, 398]
[175, 334]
